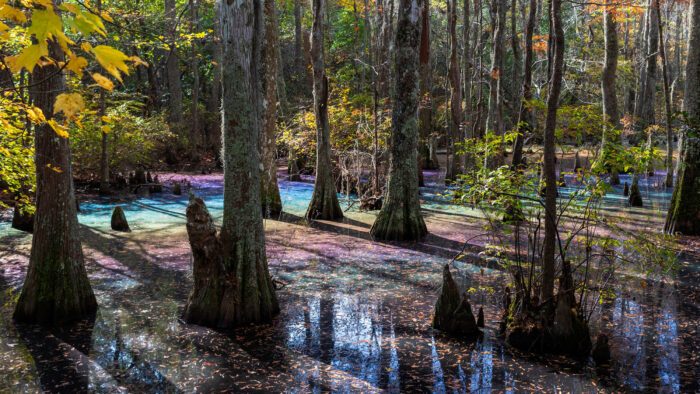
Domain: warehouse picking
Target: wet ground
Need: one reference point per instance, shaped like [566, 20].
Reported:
[355, 313]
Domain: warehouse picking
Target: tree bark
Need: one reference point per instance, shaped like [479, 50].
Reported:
[173, 65]
[455, 119]
[467, 81]
[525, 118]
[684, 212]
[56, 288]
[400, 218]
[324, 201]
[550, 221]
[270, 198]
[298, 49]
[233, 285]
[104, 151]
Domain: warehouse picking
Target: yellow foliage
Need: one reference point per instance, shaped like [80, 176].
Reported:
[9, 12]
[60, 130]
[103, 81]
[69, 103]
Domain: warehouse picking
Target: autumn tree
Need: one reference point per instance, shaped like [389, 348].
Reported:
[400, 218]
[324, 201]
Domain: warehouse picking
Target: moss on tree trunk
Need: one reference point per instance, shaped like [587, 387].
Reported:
[232, 283]
[400, 218]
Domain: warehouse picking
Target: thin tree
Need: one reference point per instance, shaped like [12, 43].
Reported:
[684, 212]
[270, 198]
[425, 110]
[644, 101]
[495, 114]
[667, 102]
[194, 61]
[324, 201]
[232, 284]
[525, 118]
[400, 217]
[455, 119]
[554, 90]
[610, 112]
[173, 64]
[56, 288]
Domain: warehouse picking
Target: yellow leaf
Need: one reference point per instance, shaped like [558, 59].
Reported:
[60, 130]
[86, 46]
[76, 64]
[215, 64]
[28, 58]
[106, 17]
[113, 60]
[106, 119]
[69, 103]
[106, 128]
[35, 115]
[103, 81]
[137, 61]
[54, 168]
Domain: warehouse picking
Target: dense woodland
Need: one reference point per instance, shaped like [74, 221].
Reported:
[530, 115]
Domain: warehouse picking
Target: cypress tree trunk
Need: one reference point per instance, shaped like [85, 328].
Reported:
[56, 288]
[467, 81]
[324, 202]
[550, 221]
[215, 97]
[455, 119]
[298, 49]
[684, 212]
[525, 119]
[270, 198]
[400, 217]
[232, 282]
[172, 65]
[425, 110]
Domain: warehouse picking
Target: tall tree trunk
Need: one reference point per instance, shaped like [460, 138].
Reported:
[684, 212]
[324, 201]
[495, 114]
[195, 136]
[455, 118]
[56, 288]
[667, 101]
[173, 65]
[271, 201]
[232, 285]
[644, 102]
[400, 217]
[425, 110]
[550, 220]
[525, 118]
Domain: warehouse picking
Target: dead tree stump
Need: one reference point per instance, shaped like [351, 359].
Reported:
[119, 222]
[453, 314]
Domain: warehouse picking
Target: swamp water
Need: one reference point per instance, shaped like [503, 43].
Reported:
[355, 314]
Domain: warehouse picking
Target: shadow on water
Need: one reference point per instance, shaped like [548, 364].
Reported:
[353, 320]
